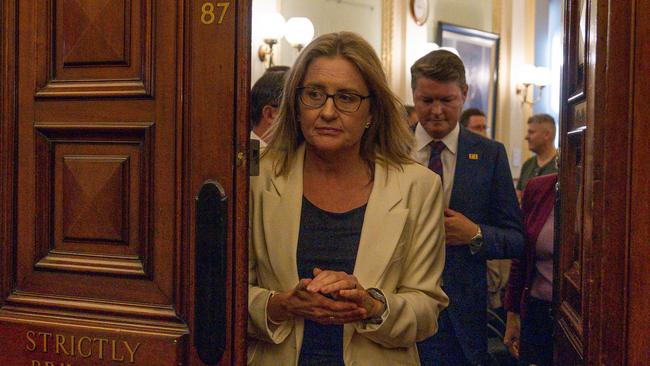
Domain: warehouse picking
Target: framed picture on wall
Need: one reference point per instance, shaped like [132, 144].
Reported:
[479, 51]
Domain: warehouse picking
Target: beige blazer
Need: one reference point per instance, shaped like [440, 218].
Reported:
[401, 252]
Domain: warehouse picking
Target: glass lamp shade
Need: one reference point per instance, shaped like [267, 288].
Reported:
[534, 75]
[299, 31]
[527, 74]
[272, 26]
[542, 76]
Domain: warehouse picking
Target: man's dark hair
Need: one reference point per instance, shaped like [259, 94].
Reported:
[468, 113]
[409, 109]
[267, 91]
[439, 65]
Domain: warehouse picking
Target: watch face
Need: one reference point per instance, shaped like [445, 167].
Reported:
[420, 11]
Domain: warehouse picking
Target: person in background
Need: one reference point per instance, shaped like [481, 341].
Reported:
[265, 99]
[541, 139]
[474, 120]
[411, 115]
[483, 220]
[347, 234]
[529, 294]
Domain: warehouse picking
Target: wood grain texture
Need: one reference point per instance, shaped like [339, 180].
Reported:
[638, 338]
[106, 170]
[94, 32]
[612, 98]
[241, 230]
[608, 203]
[95, 48]
[7, 145]
[570, 243]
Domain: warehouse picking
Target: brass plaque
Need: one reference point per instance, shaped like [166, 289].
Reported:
[52, 344]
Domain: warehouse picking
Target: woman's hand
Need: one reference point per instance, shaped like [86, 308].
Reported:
[342, 286]
[511, 338]
[331, 282]
[312, 305]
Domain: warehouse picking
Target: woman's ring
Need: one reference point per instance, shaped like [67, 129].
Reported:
[331, 318]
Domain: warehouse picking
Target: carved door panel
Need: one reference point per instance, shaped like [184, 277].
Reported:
[123, 198]
[573, 239]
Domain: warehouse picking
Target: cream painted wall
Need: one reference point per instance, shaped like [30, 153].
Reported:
[517, 48]
[469, 13]
[260, 7]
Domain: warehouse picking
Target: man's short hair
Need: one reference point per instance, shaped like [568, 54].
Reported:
[267, 91]
[543, 118]
[468, 113]
[439, 65]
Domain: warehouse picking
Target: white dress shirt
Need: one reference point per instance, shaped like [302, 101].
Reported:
[422, 152]
[255, 137]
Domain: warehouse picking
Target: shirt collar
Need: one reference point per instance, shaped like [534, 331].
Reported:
[422, 138]
[254, 136]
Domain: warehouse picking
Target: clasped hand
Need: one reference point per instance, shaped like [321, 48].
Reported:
[330, 297]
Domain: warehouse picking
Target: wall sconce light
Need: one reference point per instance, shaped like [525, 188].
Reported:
[532, 78]
[299, 32]
[273, 27]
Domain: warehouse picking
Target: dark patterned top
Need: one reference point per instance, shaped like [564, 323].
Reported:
[328, 241]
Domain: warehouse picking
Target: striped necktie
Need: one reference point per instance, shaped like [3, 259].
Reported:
[435, 163]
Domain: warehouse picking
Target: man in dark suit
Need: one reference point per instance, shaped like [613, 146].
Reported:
[482, 220]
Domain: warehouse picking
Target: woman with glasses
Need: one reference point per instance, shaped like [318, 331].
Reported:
[347, 235]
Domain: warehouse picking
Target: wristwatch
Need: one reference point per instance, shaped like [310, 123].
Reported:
[377, 295]
[476, 243]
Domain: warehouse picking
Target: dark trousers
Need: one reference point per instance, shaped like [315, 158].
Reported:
[443, 349]
[536, 337]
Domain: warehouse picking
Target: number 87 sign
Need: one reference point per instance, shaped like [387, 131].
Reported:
[208, 15]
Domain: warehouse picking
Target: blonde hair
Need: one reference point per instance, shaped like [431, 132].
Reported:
[388, 137]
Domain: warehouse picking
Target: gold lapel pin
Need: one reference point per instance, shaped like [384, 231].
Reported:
[473, 156]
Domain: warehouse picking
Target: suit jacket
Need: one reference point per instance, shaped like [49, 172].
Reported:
[401, 252]
[537, 203]
[483, 191]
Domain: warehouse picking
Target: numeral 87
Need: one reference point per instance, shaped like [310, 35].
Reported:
[207, 12]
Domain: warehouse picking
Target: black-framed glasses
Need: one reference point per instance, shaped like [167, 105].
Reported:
[343, 101]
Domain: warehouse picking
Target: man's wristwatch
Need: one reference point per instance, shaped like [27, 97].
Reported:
[476, 243]
[377, 295]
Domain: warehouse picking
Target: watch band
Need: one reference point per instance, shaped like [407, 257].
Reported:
[377, 295]
[476, 243]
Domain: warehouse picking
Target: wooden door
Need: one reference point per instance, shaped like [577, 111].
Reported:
[638, 276]
[123, 124]
[575, 183]
[602, 270]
